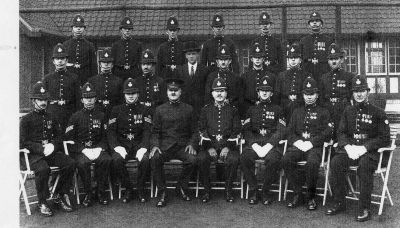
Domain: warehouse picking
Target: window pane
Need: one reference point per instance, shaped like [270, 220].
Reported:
[376, 62]
[394, 85]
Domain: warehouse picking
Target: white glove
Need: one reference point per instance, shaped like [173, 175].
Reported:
[96, 152]
[351, 152]
[267, 147]
[140, 153]
[257, 148]
[299, 144]
[48, 149]
[360, 150]
[307, 145]
[88, 153]
[121, 150]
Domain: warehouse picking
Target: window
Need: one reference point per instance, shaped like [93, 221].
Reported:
[375, 53]
[351, 58]
[394, 56]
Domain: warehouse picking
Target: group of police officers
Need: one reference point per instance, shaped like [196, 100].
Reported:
[176, 106]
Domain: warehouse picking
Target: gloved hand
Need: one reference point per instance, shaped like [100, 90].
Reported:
[257, 148]
[121, 151]
[153, 151]
[140, 153]
[48, 149]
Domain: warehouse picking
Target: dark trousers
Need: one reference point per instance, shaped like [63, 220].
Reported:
[294, 175]
[175, 152]
[231, 164]
[101, 170]
[119, 170]
[41, 168]
[337, 177]
[272, 163]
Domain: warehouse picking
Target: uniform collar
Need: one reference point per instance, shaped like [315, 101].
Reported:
[361, 104]
[61, 71]
[40, 112]
[220, 105]
[311, 105]
[173, 40]
[219, 36]
[85, 110]
[177, 102]
[266, 102]
[261, 69]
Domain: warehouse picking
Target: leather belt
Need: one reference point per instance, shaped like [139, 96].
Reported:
[124, 67]
[360, 136]
[60, 102]
[148, 104]
[75, 65]
[264, 131]
[218, 137]
[104, 102]
[129, 136]
[88, 143]
[306, 135]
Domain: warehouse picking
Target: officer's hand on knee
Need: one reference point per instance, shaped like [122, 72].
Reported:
[189, 149]
[224, 153]
[154, 150]
[213, 153]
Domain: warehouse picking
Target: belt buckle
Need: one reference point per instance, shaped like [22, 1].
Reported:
[267, 62]
[130, 136]
[218, 137]
[106, 102]
[44, 142]
[263, 132]
[127, 67]
[77, 65]
[148, 104]
[173, 67]
[314, 60]
[88, 143]
[306, 135]
[61, 102]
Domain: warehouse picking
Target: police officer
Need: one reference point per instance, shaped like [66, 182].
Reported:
[173, 137]
[41, 134]
[252, 78]
[108, 87]
[63, 88]
[335, 86]
[151, 86]
[211, 47]
[126, 52]
[81, 52]
[289, 83]
[362, 130]
[194, 76]
[314, 48]
[86, 128]
[233, 82]
[272, 47]
[264, 127]
[128, 137]
[170, 53]
[307, 131]
[219, 128]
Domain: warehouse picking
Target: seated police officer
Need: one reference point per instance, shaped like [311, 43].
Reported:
[263, 129]
[308, 129]
[87, 128]
[173, 137]
[363, 129]
[41, 134]
[128, 136]
[219, 128]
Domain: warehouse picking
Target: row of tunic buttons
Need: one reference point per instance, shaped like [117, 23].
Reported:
[148, 89]
[219, 119]
[266, 48]
[61, 85]
[90, 126]
[333, 84]
[77, 51]
[292, 87]
[126, 52]
[106, 87]
[172, 52]
[44, 135]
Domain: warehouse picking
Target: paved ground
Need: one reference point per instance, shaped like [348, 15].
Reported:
[216, 213]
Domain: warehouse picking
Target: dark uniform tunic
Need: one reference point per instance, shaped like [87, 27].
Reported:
[129, 127]
[81, 58]
[288, 83]
[219, 123]
[273, 53]
[233, 83]
[335, 94]
[152, 91]
[38, 128]
[87, 129]
[308, 123]
[108, 89]
[314, 49]
[173, 130]
[363, 125]
[169, 53]
[126, 54]
[265, 123]
[250, 82]
[210, 49]
[64, 97]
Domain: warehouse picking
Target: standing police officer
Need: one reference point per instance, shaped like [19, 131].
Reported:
[263, 129]
[314, 48]
[362, 130]
[335, 86]
[151, 86]
[126, 52]
[272, 47]
[63, 88]
[219, 128]
[128, 137]
[173, 137]
[87, 129]
[252, 78]
[81, 52]
[211, 47]
[170, 54]
[307, 131]
[108, 87]
[41, 134]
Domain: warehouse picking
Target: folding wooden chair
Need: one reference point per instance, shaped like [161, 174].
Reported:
[324, 167]
[76, 185]
[260, 162]
[381, 171]
[134, 164]
[29, 173]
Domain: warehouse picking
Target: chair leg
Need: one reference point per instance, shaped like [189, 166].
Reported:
[351, 186]
[151, 187]
[24, 195]
[76, 187]
[285, 190]
[119, 191]
[241, 185]
[197, 183]
[53, 188]
[326, 186]
[280, 185]
[110, 188]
